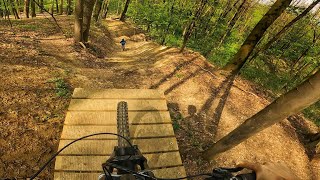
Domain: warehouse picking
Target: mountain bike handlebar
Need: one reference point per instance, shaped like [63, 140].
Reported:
[127, 162]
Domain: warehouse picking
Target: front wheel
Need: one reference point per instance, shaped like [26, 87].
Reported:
[123, 124]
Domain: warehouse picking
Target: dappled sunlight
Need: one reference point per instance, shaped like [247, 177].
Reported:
[40, 67]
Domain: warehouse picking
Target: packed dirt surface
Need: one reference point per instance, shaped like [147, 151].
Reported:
[40, 67]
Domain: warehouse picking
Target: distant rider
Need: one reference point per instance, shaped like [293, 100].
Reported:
[123, 44]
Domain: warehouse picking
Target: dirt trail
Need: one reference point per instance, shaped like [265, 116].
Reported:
[32, 116]
[194, 92]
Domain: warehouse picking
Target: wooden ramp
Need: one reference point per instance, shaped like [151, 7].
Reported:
[94, 111]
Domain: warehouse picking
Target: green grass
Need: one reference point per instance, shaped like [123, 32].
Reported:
[28, 27]
[62, 88]
[268, 80]
[176, 117]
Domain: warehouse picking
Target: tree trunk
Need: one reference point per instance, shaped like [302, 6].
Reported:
[41, 6]
[105, 9]
[207, 24]
[26, 8]
[52, 7]
[290, 103]
[256, 34]
[78, 21]
[295, 3]
[14, 9]
[118, 7]
[123, 15]
[305, 52]
[284, 29]
[224, 14]
[191, 25]
[97, 10]
[87, 14]
[57, 6]
[1, 10]
[33, 8]
[61, 7]
[169, 24]
[234, 20]
[6, 12]
[69, 7]
[229, 28]
[228, 9]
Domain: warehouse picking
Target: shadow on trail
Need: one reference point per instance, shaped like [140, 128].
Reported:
[153, 55]
[306, 137]
[223, 88]
[164, 79]
[176, 85]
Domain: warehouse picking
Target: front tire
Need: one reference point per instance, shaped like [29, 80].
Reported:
[123, 124]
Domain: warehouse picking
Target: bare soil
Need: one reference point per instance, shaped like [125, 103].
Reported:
[38, 64]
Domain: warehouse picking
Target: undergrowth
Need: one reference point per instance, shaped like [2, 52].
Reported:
[62, 89]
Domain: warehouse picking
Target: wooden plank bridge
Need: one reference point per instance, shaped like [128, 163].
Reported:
[94, 111]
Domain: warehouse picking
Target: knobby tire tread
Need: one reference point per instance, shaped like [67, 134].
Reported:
[123, 124]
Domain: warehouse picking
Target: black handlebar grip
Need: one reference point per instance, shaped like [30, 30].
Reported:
[249, 176]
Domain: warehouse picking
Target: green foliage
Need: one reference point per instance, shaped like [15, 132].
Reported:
[266, 79]
[278, 69]
[176, 118]
[28, 27]
[176, 125]
[313, 112]
[61, 87]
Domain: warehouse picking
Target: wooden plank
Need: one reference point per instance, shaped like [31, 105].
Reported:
[94, 111]
[105, 147]
[117, 93]
[136, 131]
[111, 105]
[110, 118]
[93, 163]
[174, 172]
[75, 176]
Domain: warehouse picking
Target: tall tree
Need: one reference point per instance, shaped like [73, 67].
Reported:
[61, 7]
[256, 34]
[6, 12]
[305, 52]
[41, 6]
[14, 9]
[234, 20]
[69, 7]
[284, 29]
[97, 9]
[87, 14]
[290, 103]
[169, 23]
[83, 14]
[230, 26]
[104, 9]
[57, 6]
[78, 29]
[33, 8]
[52, 7]
[26, 8]
[1, 10]
[123, 14]
[192, 23]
